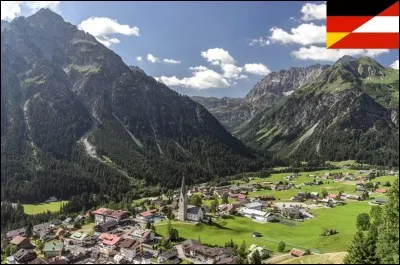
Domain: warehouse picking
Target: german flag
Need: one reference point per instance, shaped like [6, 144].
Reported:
[362, 25]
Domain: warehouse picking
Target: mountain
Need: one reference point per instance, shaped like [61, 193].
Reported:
[75, 118]
[349, 112]
[234, 113]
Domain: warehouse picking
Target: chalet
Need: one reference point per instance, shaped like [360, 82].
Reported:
[17, 232]
[380, 190]
[55, 223]
[195, 249]
[258, 215]
[24, 256]
[102, 215]
[149, 214]
[296, 253]
[227, 209]
[53, 249]
[242, 197]
[129, 248]
[106, 226]
[169, 257]
[40, 227]
[51, 199]
[254, 206]
[68, 221]
[314, 194]
[78, 236]
[378, 201]
[292, 213]
[22, 242]
[45, 234]
[109, 240]
[146, 235]
[332, 196]
[194, 213]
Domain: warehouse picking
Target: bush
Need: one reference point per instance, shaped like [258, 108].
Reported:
[307, 252]
[329, 232]
[281, 246]
[387, 184]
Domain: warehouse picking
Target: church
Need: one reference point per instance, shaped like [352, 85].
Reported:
[188, 212]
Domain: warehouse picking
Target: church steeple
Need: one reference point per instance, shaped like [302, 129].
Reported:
[182, 201]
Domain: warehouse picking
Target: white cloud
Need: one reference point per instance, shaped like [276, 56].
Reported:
[313, 11]
[202, 78]
[231, 71]
[171, 61]
[395, 64]
[304, 34]
[12, 9]
[139, 58]
[323, 54]
[260, 41]
[218, 56]
[151, 58]
[256, 69]
[104, 29]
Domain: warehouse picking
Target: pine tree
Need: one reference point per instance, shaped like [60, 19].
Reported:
[242, 249]
[357, 252]
[256, 257]
[29, 229]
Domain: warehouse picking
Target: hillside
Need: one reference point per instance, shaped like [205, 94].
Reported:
[349, 112]
[235, 113]
[75, 118]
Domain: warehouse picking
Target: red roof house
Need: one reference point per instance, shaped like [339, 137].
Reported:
[109, 239]
[297, 252]
[381, 190]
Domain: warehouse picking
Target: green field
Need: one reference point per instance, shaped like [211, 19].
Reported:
[43, 207]
[295, 234]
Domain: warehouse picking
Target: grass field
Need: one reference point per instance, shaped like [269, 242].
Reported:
[43, 207]
[328, 258]
[295, 234]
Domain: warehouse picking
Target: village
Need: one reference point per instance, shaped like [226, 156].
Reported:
[119, 237]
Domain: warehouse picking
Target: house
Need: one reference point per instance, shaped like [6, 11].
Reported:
[189, 245]
[102, 215]
[146, 235]
[242, 197]
[55, 223]
[226, 209]
[22, 242]
[106, 226]
[24, 256]
[68, 221]
[168, 257]
[41, 227]
[79, 218]
[78, 236]
[360, 188]
[378, 201]
[148, 214]
[46, 235]
[292, 213]
[53, 249]
[258, 215]
[129, 248]
[194, 249]
[194, 213]
[314, 194]
[353, 197]
[332, 196]
[380, 190]
[17, 232]
[296, 252]
[109, 240]
[254, 206]
[51, 199]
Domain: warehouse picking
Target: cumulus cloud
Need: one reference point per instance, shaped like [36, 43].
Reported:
[12, 9]
[395, 65]
[104, 29]
[323, 54]
[304, 34]
[139, 58]
[202, 78]
[151, 58]
[260, 41]
[312, 11]
[231, 71]
[218, 56]
[256, 69]
[171, 61]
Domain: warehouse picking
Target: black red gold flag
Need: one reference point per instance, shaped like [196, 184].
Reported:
[362, 25]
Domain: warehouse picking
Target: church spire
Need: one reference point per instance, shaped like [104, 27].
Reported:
[182, 201]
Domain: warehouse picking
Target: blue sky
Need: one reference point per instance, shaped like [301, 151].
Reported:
[206, 48]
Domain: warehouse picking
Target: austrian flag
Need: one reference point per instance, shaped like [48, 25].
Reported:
[370, 25]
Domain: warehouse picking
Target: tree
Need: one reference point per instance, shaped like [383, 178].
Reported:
[387, 184]
[363, 222]
[153, 228]
[77, 225]
[369, 185]
[242, 250]
[40, 245]
[214, 205]
[324, 193]
[256, 257]
[356, 253]
[307, 252]
[281, 246]
[365, 195]
[29, 230]
[148, 225]
[225, 199]
[387, 248]
[13, 249]
[195, 200]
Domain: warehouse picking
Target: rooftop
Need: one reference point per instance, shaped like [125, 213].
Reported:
[53, 246]
[109, 239]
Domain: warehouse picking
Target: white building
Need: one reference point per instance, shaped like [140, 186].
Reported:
[194, 213]
[257, 215]
[254, 206]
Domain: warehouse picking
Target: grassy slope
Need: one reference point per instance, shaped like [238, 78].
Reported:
[43, 207]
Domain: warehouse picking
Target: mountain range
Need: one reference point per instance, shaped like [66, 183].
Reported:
[75, 118]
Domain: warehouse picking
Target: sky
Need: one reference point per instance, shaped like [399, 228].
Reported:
[206, 48]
